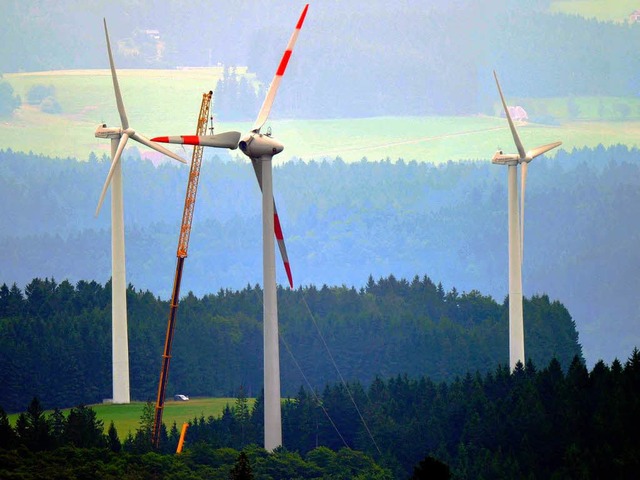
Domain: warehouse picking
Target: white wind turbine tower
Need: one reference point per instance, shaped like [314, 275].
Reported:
[261, 148]
[516, 231]
[119, 137]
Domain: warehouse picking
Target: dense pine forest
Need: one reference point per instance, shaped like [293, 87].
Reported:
[55, 339]
[530, 423]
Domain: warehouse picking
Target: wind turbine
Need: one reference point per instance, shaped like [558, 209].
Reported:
[119, 137]
[261, 148]
[516, 324]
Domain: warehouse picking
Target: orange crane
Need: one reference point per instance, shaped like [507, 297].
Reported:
[183, 245]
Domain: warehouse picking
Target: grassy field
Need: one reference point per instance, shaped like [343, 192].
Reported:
[126, 418]
[605, 10]
[161, 102]
[151, 97]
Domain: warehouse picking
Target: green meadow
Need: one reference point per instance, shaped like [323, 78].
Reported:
[162, 102]
[604, 10]
[126, 418]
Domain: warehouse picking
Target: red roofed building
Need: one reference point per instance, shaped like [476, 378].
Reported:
[518, 114]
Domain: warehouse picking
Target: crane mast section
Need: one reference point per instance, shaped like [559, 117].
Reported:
[194, 175]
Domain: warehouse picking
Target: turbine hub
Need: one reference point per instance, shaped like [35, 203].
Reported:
[256, 145]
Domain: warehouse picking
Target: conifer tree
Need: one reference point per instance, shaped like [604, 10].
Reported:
[7, 434]
[34, 427]
[242, 469]
[84, 429]
[113, 442]
[242, 414]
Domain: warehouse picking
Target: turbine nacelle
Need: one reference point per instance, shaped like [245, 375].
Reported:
[501, 158]
[256, 145]
[102, 131]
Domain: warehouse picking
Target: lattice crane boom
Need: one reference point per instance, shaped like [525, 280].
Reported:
[194, 175]
[183, 247]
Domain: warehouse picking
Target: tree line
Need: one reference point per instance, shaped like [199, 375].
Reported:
[236, 98]
[55, 338]
[75, 446]
[525, 423]
[8, 100]
[529, 423]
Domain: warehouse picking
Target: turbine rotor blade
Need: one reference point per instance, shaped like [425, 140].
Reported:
[531, 154]
[114, 163]
[221, 140]
[514, 132]
[158, 148]
[257, 168]
[273, 88]
[116, 85]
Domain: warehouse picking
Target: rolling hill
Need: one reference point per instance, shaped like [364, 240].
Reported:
[167, 102]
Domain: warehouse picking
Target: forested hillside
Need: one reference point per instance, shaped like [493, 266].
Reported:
[534, 422]
[357, 59]
[55, 339]
[538, 422]
[342, 223]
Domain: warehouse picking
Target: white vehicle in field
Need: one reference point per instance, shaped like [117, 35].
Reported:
[181, 398]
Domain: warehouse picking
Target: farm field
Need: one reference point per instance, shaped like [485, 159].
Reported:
[161, 102]
[614, 11]
[126, 418]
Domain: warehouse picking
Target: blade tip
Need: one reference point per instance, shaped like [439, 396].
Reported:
[287, 267]
[302, 17]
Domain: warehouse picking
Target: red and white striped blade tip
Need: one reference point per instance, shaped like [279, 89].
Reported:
[287, 267]
[283, 249]
[282, 67]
